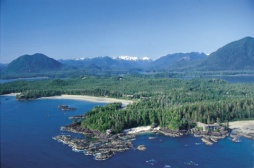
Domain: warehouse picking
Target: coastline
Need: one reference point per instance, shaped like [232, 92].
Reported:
[246, 126]
[138, 130]
[239, 128]
[84, 98]
[91, 99]
[242, 129]
[10, 94]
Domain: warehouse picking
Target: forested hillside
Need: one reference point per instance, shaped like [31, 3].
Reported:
[238, 55]
[170, 103]
[33, 64]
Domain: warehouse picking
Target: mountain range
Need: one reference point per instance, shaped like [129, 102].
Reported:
[237, 55]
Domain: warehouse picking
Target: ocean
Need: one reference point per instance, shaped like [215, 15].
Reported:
[27, 128]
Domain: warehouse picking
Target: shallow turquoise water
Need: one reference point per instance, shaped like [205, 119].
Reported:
[27, 128]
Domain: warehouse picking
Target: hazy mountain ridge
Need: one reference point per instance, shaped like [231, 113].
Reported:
[170, 60]
[135, 63]
[107, 63]
[237, 55]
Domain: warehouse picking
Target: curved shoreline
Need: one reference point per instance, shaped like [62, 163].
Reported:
[246, 126]
[84, 98]
[10, 94]
[91, 99]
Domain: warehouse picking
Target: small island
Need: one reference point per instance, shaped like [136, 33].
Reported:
[66, 108]
[141, 147]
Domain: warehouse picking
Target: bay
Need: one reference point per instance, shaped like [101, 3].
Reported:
[23, 79]
[27, 128]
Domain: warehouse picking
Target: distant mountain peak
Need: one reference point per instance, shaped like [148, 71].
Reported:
[33, 63]
[81, 58]
[146, 59]
[127, 58]
[131, 58]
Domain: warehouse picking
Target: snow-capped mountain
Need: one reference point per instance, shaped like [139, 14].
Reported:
[146, 59]
[131, 58]
[81, 59]
[133, 63]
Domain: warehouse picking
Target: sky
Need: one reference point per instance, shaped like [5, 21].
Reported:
[67, 29]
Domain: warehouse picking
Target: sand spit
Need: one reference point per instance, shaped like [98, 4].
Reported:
[91, 99]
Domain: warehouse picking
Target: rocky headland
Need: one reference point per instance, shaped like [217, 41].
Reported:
[104, 145]
[101, 146]
[210, 136]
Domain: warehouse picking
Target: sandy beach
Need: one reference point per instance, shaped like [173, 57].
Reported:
[245, 127]
[84, 98]
[141, 129]
[137, 130]
[91, 99]
[10, 94]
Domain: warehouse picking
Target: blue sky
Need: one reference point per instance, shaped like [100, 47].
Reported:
[91, 28]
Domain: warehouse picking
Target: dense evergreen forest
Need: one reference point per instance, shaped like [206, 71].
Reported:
[170, 103]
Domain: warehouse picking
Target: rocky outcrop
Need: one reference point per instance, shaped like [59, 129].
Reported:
[236, 134]
[172, 133]
[209, 136]
[102, 146]
[76, 128]
[141, 147]
[249, 135]
[207, 140]
[66, 108]
[105, 145]
[103, 156]
[235, 138]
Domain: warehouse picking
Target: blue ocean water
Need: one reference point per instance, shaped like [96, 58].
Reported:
[27, 128]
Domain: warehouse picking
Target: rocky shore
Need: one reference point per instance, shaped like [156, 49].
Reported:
[236, 135]
[172, 133]
[242, 129]
[104, 145]
[210, 136]
[101, 146]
